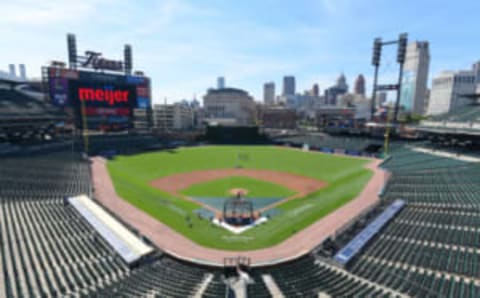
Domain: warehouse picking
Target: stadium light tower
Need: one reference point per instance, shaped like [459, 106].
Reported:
[72, 50]
[377, 53]
[402, 49]
[376, 58]
[127, 58]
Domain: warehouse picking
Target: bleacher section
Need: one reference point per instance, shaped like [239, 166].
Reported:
[14, 104]
[327, 143]
[47, 249]
[216, 287]
[463, 114]
[424, 258]
[405, 159]
[258, 287]
[24, 116]
[465, 120]
[307, 278]
[164, 278]
[456, 187]
[119, 144]
[48, 176]
[431, 248]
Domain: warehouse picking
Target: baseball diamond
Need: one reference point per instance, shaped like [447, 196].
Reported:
[155, 182]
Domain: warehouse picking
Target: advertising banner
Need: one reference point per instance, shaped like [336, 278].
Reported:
[59, 91]
[107, 100]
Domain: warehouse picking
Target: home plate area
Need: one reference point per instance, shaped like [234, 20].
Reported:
[237, 214]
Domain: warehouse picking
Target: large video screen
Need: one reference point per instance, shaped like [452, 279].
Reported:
[99, 101]
[103, 104]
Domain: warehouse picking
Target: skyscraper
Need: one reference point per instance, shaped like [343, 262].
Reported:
[360, 85]
[414, 83]
[220, 82]
[341, 87]
[315, 90]
[269, 93]
[381, 98]
[476, 71]
[288, 85]
[342, 82]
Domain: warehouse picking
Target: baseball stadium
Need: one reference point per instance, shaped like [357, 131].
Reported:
[96, 202]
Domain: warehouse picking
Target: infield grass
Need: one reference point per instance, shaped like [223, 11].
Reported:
[131, 175]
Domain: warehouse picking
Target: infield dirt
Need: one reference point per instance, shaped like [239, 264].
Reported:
[302, 185]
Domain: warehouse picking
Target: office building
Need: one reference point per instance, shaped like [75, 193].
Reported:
[229, 106]
[360, 85]
[269, 93]
[288, 85]
[278, 117]
[476, 71]
[341, 87]
[415, 77]
[169, 117]
[449, 89]
[220, 82]
[315, 90]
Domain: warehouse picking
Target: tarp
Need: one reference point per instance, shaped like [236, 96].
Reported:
[356, 244]
[124, 242]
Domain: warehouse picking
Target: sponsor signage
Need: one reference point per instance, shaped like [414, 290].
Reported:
[107, 95]
[142, 91]
[143, 102]
[107, 100]
[136, 80]
[387, 87]
[95, 61]
[91, 111]
[56, 72]
[59, 91]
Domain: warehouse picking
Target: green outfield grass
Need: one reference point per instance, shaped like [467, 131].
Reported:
[131, 175]
[220, 188]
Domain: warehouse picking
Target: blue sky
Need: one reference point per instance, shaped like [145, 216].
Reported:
[184, 45]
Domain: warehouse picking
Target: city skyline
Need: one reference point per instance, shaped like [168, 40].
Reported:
[184, 47]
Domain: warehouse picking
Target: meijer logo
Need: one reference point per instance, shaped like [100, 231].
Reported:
[110, 96]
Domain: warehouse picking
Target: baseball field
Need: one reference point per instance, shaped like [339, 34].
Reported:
[307, 186]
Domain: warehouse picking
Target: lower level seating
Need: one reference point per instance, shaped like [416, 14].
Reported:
[163, 278]
[305, 278]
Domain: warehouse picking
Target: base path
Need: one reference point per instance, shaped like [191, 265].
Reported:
[178, 245]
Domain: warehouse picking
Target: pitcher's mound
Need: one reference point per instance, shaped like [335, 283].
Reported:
[238, 192]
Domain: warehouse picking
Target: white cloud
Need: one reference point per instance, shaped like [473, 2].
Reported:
[30, 12]
[185, 45]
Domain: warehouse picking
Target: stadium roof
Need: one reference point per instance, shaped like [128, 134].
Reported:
[227, 90]
[7, 77]
[125, 243]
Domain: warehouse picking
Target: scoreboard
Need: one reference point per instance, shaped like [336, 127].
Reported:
[101, 101]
